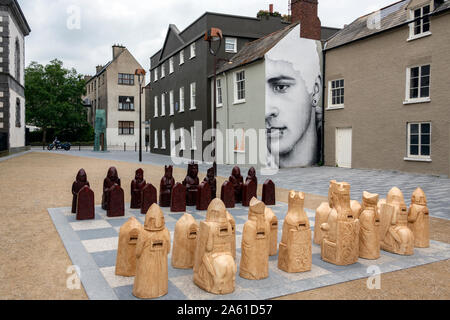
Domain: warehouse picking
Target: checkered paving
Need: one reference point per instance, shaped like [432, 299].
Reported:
[92, 246]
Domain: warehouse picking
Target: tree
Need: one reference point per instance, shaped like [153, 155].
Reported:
[53, 98]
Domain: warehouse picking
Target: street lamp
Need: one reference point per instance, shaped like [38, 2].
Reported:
[141, 78]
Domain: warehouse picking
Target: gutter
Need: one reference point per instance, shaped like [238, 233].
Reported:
[322, 156]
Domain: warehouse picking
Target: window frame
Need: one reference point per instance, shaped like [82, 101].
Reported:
[171, 103]
[193, 139]
[193, 96]
[419, 22]
[182, 140]
[155, 139]
[419, 99]
[236, 89]
[155, 106]
[126, 103]
[122, 77]
[419, 145]
[171, 66]
[182, 99]
[163, 70]
[234, 50]
[163, 104]
[181, 57]
[121, 127]
[155, 76]
[193, 50]
[332, 106]
[163, 139]
[219, 93]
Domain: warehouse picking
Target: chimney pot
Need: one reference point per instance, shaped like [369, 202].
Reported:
[271, 8]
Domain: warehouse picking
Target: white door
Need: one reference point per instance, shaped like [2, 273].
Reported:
[344, 147]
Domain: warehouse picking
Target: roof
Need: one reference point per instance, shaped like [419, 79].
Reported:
[18, 13]
[391, 16]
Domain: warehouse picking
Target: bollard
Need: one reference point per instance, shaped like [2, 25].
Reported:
[43, 146]
[79, 147]
[124, 147]
[135, 147]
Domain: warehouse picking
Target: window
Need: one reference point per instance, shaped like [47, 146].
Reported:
[419, 140]
[182, 99]
[163, 139]
[126, 79]
[156, 107]
[336, 93]
[421, 25]
[172, 109]
[182, 141]
[239, 87]
[193, 89]
[194, 139]
[17, 60]
[219, 92]
[156, 75]
[126, 128]
[231, 45]
[181, 57]
[239, 140]
[418, 83]
[171, 65]
[193, 50]
[156, 139]
[18, 112]
[126, 103]
[163, 105]
[163, 71]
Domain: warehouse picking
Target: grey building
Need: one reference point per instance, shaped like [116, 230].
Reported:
[13, 30]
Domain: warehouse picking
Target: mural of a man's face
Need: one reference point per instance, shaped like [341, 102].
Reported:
[288, 109]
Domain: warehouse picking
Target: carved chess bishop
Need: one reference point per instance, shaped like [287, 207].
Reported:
[126, 252]
[153, 246]
[80, 182]
[185, 242]
[214, 266]
[111, 179]
[296, 247]
[191, 182]
[419, 219]
[369, 234]
[238, 181]
[165, 188]
[136, 189]
[340, 244]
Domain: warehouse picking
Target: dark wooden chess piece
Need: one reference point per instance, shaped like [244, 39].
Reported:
[178, 203]
[85, 204]
[116, 202]
[111, 179]
[148, 197]
[165, 188]
[80, 182]
[136, 188]
[248, 192]
[227, 195]
[211, 179]
[191, 182]
[252, 175]
[203, 196]
[237, 180]
[268, 193]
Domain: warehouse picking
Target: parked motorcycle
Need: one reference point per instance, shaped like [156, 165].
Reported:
[59, 146]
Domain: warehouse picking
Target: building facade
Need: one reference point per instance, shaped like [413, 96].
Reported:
[115, 90]
[387, 90]
[13, 30]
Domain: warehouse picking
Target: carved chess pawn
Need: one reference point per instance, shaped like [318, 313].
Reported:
[178, 203]
[85, 204]
[126, 251]
[227, 195]
[369, 234]
[340, 243]
[153, 246]
[185, 242]
[211, 179]
[203, 196]
[80, 182]
[116, 202]
[238, 181]
[248, 192]
[419, 219]
[268, 193]
[322, 213]
[252, 175]
[148, 197]
[191, 182]
[255, 243]
[272, 219]
[111, 179]
[395, 236]
[165, 188]
[136, 188]
[214, 266]
[296, 247]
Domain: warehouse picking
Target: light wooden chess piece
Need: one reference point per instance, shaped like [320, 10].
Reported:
[273, 238]
[255, 243]
[184, 242]
[369, 234]
[340, 243]
[214, 266]
[232, 222]
[126, 252]
[153, 246]
[322, 213]
[296, 243]
[395, 236]
[419, 219]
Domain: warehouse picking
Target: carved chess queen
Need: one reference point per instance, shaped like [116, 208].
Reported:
[419, 219]
[340, 243]
[214, 266]
[369, 234]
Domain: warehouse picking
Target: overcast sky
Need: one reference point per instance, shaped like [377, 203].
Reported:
[141, 25]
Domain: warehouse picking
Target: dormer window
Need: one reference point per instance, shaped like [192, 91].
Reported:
[421, 25]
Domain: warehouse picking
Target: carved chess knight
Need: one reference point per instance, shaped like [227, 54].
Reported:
[419, 219]
[395, 236]
[191, 182]
[126, 252]
[369, 234]
[214, 266]
[185, 242]
[255, 245]
[296, 247]
[340, 244]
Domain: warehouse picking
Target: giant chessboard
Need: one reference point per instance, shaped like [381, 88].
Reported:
[92, 247]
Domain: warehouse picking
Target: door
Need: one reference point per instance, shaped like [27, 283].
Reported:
[344, 147]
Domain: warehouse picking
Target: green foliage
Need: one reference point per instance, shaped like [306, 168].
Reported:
[265, 13]
[53, 99]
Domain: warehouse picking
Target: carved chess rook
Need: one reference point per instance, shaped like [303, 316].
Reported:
[419, 219]
[148, 197]
[85, 204]
[322, 213]
[340, 243]
[126, 251]
[296, 247]
[80, 182]
[111, 179]
[238, 181]
[268, 193]
[165, 188]
[203, 196]
[369, 234]
[136, 188]
[272, 219]
[227, 195]
[214, 266]
[255, 243]
[178, 203]
[395, 236]
[191, 182]
[185, 242]
[252, 175]
[153, 246]
[248, 192]
[211, 179]
[116, 202]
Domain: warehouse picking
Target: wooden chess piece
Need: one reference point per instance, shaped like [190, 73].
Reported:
[419, 219]
[227, 195]
[178, 203]
[165, 187]
[191, 182]
[136, 188]
[273, 238]
[116, 202]
[248, 192]
[203, 196]
[369, 234]
[126, 251]
[211, 179]
[238, 181]
[85, 204]
[185, 242]
[340, 244]
[80, 182]
[296, 243]
[153, 246]
[148, 197]
[255, 245]
[111, 179]
[233, 232]
[268, 193]
[252, 175]
[322, 213]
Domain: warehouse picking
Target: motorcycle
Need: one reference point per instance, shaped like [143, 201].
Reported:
[58, 145]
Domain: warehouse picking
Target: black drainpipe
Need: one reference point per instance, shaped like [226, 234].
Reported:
[323, 110]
